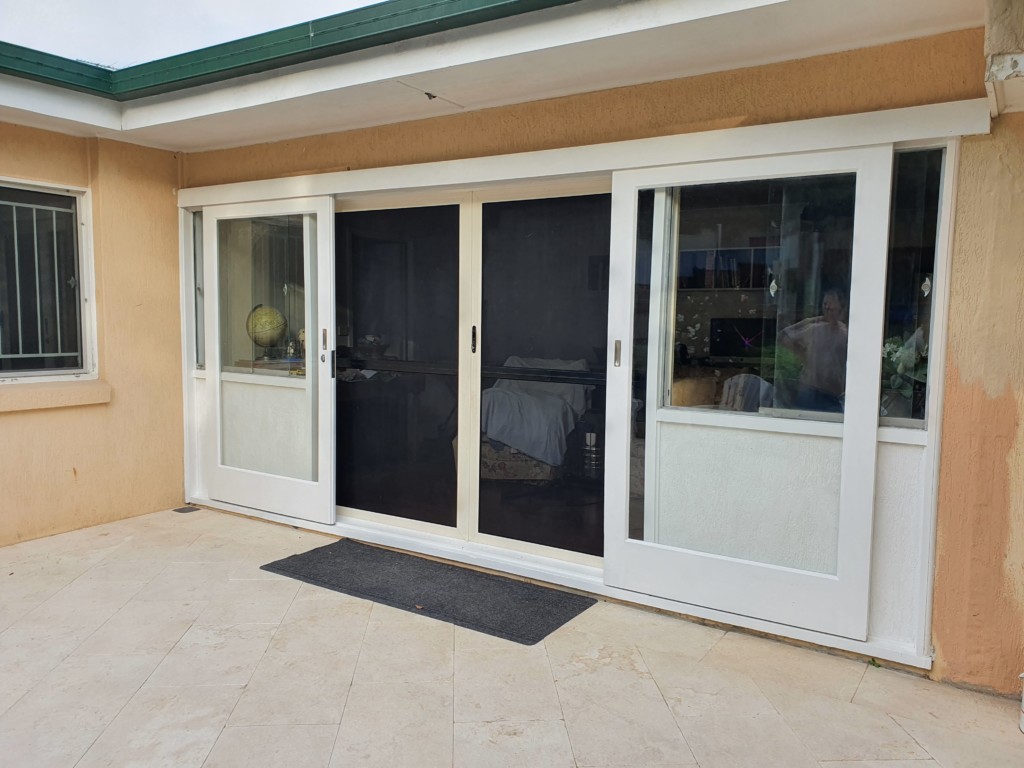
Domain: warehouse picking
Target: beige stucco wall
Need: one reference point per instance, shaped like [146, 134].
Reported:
[70, 467]
[978, 617]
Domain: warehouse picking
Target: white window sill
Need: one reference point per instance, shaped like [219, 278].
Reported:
[53, 394]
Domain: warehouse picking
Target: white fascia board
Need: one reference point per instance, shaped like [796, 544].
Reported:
[64, 107]
[935, 121]
[542, 30]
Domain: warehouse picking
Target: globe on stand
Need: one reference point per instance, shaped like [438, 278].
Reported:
[266, 327]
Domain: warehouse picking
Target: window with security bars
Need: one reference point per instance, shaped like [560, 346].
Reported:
[40, 283]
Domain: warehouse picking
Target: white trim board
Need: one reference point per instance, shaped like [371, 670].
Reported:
[892, 126]
[585, 578]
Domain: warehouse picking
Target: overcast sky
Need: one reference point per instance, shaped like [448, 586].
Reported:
[119, 33]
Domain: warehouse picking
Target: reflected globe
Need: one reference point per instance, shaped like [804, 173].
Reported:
[266, 326]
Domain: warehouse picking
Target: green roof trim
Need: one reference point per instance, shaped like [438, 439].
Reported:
[55, 70]
[387, 22]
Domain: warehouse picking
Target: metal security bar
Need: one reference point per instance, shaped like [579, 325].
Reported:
[40, 323]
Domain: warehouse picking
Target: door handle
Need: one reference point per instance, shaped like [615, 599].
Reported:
[617, 356]
[472, 343]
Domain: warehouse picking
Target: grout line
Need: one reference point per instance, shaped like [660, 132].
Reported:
[668, 707]
[913, 738]
[131, 697]
[561, 707]
[713, 646]
[351, 682]
[859, 683]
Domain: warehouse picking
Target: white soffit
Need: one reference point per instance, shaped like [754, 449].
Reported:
[577, 48]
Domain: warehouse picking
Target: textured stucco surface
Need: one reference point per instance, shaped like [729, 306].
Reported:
[978, 616]
[1004, 32]
[927, 71]
[70, 467]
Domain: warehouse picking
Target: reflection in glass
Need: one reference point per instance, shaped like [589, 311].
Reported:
[909, 286]
[543, 353]
[757, 299]
[263, 294]
[397, 278]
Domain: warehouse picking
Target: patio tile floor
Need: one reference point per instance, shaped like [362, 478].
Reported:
[157, 641]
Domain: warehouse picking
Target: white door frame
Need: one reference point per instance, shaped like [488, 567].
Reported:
[837, 604]
[313, 499]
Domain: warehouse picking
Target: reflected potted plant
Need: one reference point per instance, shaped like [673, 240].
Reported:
[904, 375]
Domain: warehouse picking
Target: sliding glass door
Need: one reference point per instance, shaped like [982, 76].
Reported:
[543, 339]
[750, 359]
[397, 309]
[269, 378]
[471, 365]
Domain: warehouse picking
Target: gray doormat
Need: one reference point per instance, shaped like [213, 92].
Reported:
[514, 610]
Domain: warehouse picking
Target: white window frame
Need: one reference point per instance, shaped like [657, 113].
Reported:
[87, 289]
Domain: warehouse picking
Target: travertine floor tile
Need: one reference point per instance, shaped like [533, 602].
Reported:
[142, 627]
[8, 696]
[694, 688]
[801, 668]
[258, 601]
[537, 744]
[55, 722]
[401, 647]
[955, 749]
[215, 655]
[274, 746]
[613, 710]
[944, 706]
[396, 724]
[164, 728]
[188, 582]
[503, 681]
[316, 625]
[837, 730]
[761, 741]
[289, 689]
[616, 623]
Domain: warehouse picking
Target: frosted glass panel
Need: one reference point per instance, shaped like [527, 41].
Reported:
[759, 496]
[267, 429]
[268, 404]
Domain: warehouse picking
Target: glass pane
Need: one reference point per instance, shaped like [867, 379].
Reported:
[641, 326]
[199, 298]
[543, 352]
[262, 295]
[268, 407]
[39, 284]
[909, 286]
[397, 289]
[758, 306]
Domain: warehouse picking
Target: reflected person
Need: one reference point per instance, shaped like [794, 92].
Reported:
[821, 344]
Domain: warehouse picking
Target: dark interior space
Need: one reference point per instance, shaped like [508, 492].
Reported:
[397, 276]
[543, 347]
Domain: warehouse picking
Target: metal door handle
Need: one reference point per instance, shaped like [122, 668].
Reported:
[617, 358]
[472, 343]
